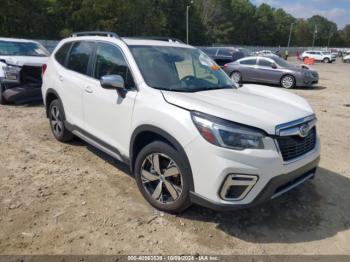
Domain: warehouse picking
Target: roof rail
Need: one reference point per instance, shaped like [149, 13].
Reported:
[95, 33]
[158, 38]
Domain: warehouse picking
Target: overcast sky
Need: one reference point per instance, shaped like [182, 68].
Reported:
[337, 11]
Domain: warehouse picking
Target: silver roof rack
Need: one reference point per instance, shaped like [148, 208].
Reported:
[95, 33]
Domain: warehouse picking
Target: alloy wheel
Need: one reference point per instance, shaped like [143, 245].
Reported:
[161, 178]
[287, 82]
[56, 121]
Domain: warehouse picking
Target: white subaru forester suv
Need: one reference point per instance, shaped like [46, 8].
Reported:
[188, 133]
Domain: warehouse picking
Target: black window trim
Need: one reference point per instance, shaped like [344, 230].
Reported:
[93, 62]
[67, 54]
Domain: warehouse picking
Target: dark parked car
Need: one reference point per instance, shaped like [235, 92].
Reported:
[223, 55]
[272, 70]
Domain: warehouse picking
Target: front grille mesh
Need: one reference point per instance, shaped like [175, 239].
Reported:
[292, 147]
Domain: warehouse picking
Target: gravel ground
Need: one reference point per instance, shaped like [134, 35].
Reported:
[72, 199]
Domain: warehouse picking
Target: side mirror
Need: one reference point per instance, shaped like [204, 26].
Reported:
[273, 66]
[112, 82]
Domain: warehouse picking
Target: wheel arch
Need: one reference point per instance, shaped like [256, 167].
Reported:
[146, 134]
[50, 96]
[288, 74]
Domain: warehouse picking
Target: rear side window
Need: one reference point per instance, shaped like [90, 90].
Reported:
[79, 57]
[110, 61]
[248, 62]
[61, 54]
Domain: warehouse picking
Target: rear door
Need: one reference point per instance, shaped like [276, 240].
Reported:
[248, 69]
[72, 81]
[107, 114]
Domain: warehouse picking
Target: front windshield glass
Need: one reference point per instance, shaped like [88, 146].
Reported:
[281, 62]
[179, 69]
[11, 48]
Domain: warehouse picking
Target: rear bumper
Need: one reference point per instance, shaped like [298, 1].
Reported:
[275, 187]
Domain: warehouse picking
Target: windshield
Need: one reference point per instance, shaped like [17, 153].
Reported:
[10, 48]
[179, 69]
[281, 62]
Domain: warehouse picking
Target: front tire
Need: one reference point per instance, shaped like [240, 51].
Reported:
[326, 60]
[288, 81]
[162, 178]
[56, 117]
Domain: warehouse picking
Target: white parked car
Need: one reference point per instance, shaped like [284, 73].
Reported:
[188, 133]
[320, 56]
[346, 57]
[20, 69]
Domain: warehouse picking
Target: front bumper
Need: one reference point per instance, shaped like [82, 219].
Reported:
[277, 186]
[213, 165]
[308, 81]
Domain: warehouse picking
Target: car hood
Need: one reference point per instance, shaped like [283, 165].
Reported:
[252, 105]
[25, 60]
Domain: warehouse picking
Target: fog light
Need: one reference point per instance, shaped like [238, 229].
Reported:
[237, 186]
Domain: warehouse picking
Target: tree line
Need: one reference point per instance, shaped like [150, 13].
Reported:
[237, 22]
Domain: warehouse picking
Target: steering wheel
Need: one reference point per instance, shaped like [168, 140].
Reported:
[188, 78]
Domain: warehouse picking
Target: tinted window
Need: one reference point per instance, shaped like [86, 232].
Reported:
[225, 52]
[248, 62]
[61, 54]
[79, 57]
[264, 62]
[110, 61]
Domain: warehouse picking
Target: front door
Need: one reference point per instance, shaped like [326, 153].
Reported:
[107, 114]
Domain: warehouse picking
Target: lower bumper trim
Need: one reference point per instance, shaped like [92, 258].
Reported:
[275, 187]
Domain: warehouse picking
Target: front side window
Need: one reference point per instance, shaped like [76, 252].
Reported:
[265, 62]
[79, 57]
[110, 61]
[61, 54]
[13, 48]
[179, 69]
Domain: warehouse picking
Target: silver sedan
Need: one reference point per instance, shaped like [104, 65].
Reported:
[270, 70]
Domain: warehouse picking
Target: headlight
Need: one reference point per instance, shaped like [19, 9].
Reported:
[227, 134]
[11, 72]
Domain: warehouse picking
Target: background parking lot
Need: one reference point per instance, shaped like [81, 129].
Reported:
[72, 199]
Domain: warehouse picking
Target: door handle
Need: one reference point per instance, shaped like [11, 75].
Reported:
[60, 78]
[88, 89]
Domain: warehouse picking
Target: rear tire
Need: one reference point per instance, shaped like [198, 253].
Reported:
[57, 118]
[162, 177]
[2, 98]
[288, 81]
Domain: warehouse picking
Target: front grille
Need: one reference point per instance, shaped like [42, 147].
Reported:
[314, 74]
[292, 147]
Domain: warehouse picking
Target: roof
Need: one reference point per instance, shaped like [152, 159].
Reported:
[130, 41]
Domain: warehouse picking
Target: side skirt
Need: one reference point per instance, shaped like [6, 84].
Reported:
[97, 143]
